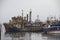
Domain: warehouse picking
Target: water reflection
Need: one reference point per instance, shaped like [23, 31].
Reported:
[30, 36]
[18, 36]
[51, 36]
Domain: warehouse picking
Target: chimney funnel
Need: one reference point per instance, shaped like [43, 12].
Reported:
[27, 17]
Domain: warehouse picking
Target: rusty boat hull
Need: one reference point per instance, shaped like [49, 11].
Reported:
[10, 28]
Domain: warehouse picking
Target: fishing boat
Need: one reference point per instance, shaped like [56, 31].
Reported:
[21, 24]
[15, 25]
[52, 28]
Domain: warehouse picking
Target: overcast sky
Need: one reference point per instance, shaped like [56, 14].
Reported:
[43, 8]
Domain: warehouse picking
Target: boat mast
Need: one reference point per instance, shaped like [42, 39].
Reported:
[27, 17]
[30, 16]
[22, 19]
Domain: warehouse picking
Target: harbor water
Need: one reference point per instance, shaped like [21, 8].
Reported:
[27, 36]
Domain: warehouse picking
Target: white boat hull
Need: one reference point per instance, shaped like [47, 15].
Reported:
[53, 31]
